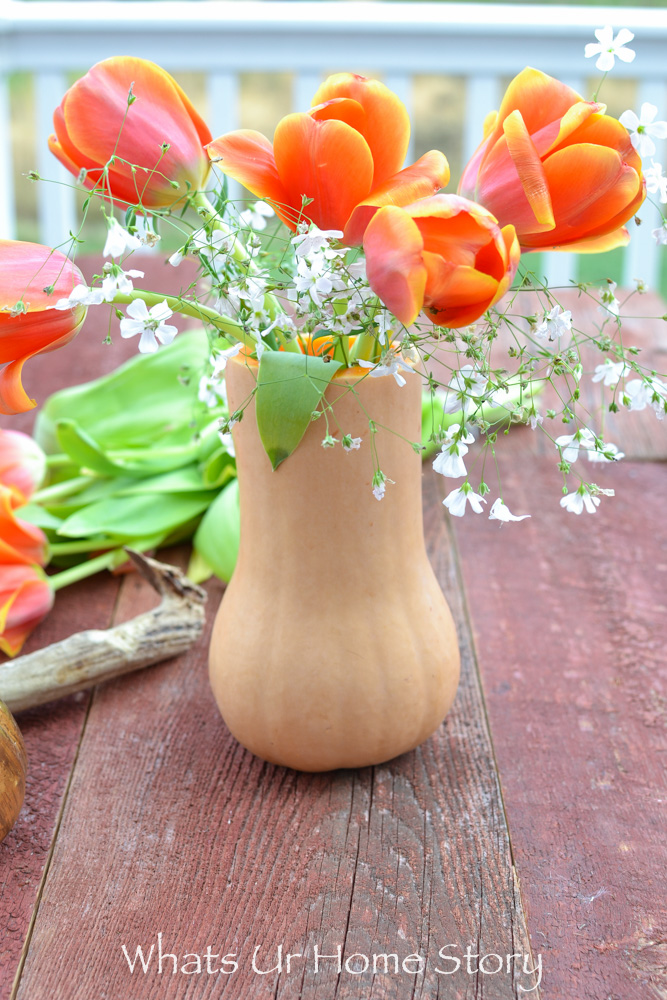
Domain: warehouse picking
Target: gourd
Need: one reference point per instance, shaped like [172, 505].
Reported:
[13, 769]
[333, 646]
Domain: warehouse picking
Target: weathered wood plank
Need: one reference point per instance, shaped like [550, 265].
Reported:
[570, 620]
[51, 735]
[173, 828]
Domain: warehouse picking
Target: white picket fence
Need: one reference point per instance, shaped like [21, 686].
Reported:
[483, 44]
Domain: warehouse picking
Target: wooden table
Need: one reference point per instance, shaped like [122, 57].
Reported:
[532, 824]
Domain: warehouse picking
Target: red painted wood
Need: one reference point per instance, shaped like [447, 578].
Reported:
[51, 734]
[171, 827]
[570, 619]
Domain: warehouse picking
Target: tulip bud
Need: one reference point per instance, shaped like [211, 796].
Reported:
[444, 255]
[25, 598]
[134, 132]
[558, 169]
[22, 464]
[29, 322]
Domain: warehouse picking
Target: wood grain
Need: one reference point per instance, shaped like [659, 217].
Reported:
[172, 828]
[51, 734]
[570, 620]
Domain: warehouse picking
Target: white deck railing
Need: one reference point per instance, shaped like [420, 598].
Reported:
[483, 44]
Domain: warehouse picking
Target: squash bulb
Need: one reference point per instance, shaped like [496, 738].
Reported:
[13, 769]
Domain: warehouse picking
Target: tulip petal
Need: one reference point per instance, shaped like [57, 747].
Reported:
[327, 161]
[422, 179]
[593, 193]
[569, 125]
[342, 109]
[456, 294]
[247, 156]
[535, 94]
[529, 168]
[394, 264]
[25, 598]
[597, 244]
[94, 124]
[387, 128]
[13, 397]
[469, 229]
[28, 270]
[20, 541]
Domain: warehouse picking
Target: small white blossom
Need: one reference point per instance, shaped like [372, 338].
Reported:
[310, 279]
[499, 512]
[535, 420]
[455, 502]
[450, 460]
[606, 453]
[118, 280]
[609, 47]
[555, 324]
[610, 372]
[255, 217]
[570, 444]
[211, 392]
[466, 390]
[150, 324]
[379, 484]
[640, 393]
[390, 366]
[222, 357]
[609, 303]
[656, 181]
[177, 257]
[119, 241]
[644, 129]
[350, 444]
[660, 234]
[311, 240]
[386, 324]
[212, 243]
[81, 295]
[576, 502]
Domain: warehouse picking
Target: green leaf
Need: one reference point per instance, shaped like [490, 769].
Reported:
[289, 388]
[35, 514]
[218, 469]
[83, 449]
[133, 516]
[151, 400]
[217, 538]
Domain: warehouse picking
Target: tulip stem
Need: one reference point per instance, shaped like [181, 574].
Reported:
[109, 560]
[82, 545]
[64, 489]
[229, 327]
[241, 255]
[364, 349]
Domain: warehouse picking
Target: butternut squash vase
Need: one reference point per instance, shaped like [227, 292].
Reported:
[333, 646]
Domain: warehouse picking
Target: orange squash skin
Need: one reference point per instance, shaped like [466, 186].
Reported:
[333, 646]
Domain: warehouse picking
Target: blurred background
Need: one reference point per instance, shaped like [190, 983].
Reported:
[246, 63]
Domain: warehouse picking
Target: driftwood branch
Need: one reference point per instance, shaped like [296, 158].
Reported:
[86, 658]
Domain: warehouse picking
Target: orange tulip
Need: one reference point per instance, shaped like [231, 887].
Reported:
[345, 154]
[25, 598]
[22, 464]
[443, 254]
[94, 126]
[555, 166]
[20, 541]
[32, 279]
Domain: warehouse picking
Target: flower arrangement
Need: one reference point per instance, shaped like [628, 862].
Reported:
[347, 262]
